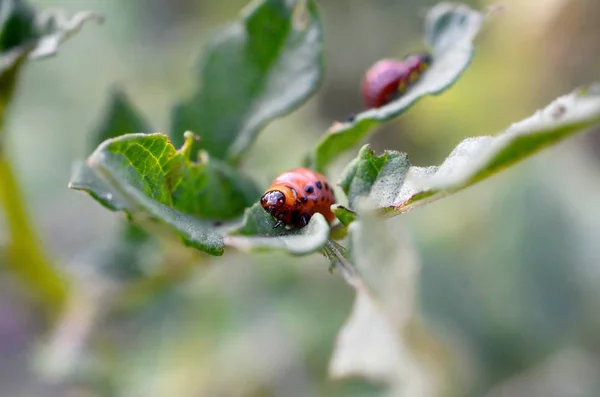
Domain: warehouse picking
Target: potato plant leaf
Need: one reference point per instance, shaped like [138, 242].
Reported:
[24, 34]
[88, 179]
[345, 215]
[10, 68]
[257, 233]
[449, 31]
[396, 187]
[17, 25]
[22, 27]
[122, 258]
[143, 174]
[369, 175]
[259, 68]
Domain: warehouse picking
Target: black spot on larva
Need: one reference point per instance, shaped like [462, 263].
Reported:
[295, 217]
[298, 202]
[326, 186]
[304, 199]
[309, 189]
[319, 185]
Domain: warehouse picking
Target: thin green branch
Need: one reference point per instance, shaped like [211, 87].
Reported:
[23, 253]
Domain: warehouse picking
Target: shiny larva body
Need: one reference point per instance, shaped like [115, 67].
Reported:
[296, 195]
[389, 79]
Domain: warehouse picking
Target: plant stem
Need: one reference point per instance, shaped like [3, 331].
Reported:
[338, 256]
[24, 255]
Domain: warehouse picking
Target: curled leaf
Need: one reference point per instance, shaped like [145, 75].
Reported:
[257, 233]
[397, 187]
[55, 27]
[449, 30]
[144, 174]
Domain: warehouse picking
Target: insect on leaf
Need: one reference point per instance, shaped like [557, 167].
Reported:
[449, 31]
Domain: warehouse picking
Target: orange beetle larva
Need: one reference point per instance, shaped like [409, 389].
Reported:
[295, 196]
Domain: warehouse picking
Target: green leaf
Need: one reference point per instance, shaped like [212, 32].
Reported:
[207, 189]
[120, 118]
[194, 232]
[396, 187]
[21, 26]
[145, 176]
[369, 175]
[345, 215]
[17, 24]
[449, 30]
[17, 31]
[25, 34]
[87, 179]
[10, 68]
[261, 67]
[256, 233]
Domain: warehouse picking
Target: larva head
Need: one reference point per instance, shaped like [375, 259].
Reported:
[381, 82]
[274, 202]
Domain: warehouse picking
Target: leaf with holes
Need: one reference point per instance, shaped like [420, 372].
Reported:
[259, 68]
[396, 187]
[449, 30]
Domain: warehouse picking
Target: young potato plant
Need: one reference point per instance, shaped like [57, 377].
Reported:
[263, 66]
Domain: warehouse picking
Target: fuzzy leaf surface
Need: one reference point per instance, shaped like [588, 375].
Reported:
[256, 233]
[375, 342]
[397, 187]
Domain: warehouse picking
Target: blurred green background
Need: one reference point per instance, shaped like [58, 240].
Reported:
[510, 277]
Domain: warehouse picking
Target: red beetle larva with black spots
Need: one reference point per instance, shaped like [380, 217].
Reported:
[296, 195]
